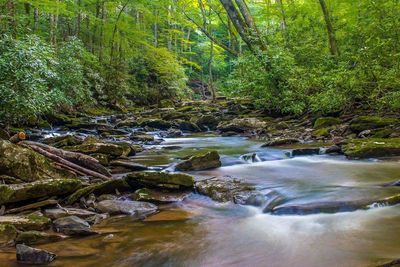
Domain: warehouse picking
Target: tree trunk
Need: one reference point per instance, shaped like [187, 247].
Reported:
[78, 19]
[101, 39]
[12, 22]
[35, 19]
[331, 32]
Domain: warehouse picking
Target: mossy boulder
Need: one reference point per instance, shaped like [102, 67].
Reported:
[156, 124]
[8, 233]
[38, 189]
[61, 141]
[362, 123]
[208, 122]
[187, 126]
[34, 221]
[175, 115]
[160, 180]
[158, 196]
[325, 122]
[372, 148]
[27, 165]
[209, 160]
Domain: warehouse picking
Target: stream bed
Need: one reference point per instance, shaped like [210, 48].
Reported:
[202, 232]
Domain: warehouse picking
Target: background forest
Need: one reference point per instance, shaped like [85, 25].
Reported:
[290, 56]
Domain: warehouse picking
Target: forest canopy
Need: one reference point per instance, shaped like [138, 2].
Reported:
[289, 56]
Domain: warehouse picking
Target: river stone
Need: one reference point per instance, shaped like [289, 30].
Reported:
[241, 125]
[372, 148]
[37, 237]
[134, 208]
[62, 141]
[156, 123]
[73, 225]
[56, 213]
[28, 255]
[33, 221]
[38, 189]
[171, 133]
[8, 233]
[208, 122]
[158, 196]
[224, 189]
[196, 163]
[305, 152]
[160, 180]
[281, 141]
[27, 165]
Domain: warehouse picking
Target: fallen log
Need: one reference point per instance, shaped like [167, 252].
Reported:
[74, 157]
[65, 162]
[36, 205]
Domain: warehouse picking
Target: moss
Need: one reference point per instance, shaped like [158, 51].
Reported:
[203, 162]
[382, 133]
[98, 111]
[372, 147]
[325, 122]
[371, 122]
[8, 233]
[160, 179]
[322, 132]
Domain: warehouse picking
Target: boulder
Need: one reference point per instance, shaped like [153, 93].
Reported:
[38, 189]
[134, 208]
[61, 141]
[187, 126]
[158, 196]
[72, 225]
[8, 233]
[224, 189]
[160, 180]
[372, 148]
[33, 221]
[281, 141]
[208, 122]
[28, 255]
[171, 133]
[362, 123]
[196, 163]
[250, 157]
[241, 125]
[325, 122]
[156, 124]
[27, 165]
[37, 237]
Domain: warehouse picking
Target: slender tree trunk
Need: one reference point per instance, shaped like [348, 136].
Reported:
[115, 30]
[12, 22]
[331, 32]
[101, 39]
[35, 19]
[283, 14]
[155, 29]
[78, 19]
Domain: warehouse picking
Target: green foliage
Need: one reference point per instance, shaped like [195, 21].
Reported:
[27, 71]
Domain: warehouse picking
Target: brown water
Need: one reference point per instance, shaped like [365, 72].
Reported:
[200, 232]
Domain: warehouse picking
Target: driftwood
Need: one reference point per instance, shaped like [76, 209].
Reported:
[74, 157]
[65, 162]
[18, 137]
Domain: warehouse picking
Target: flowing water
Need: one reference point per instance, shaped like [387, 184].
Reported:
[201, 232]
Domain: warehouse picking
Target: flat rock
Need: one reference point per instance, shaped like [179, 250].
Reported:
[133, 166]
[73, 225]
[29, 255]
[33, 221]
[158, 196]
[196, 163]
[134, 208]
[57, 213]
[160, 180]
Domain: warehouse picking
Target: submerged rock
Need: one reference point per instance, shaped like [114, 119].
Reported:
[38, 189]
[73, 225]
[27, 165]
[158, 196]
[37, 237]
[196, 163]
[160, 180]
[134, 208]
[28, 255]
[372, 147]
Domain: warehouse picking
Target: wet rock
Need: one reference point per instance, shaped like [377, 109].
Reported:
[33, 221]
[8, 233]
[305, 152]
[57, 213]
[172, 147]
[281, 141]
[171, 133]
[187, 126]
[170, 215]
[394, 263]
[208, 122]
[142, 137]
[38, 189]
[156, 124]
[160, 180]
[196, 163]
[107, 187]
[324, 122]
[28, 255]
[250, 157]
[362, 123]
[159, 196]
[37, 237]
[72, 225]
[132, 166]
[27, 165]
[175, 115]
[96, 219]
[91, 146]
[61, 141]
[134, 208]
[33, 206]
[241, 125]
[372, 147]
[224, 189]
[335, 149]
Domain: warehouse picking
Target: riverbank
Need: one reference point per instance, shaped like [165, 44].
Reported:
[160, 160]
